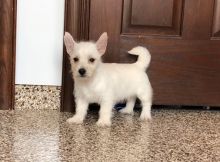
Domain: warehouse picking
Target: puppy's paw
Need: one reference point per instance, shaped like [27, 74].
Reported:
[145, 117]
[103, 123]
[126, 111]
[75, 119]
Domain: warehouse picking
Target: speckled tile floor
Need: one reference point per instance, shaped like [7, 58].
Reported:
[173, 135]
[29, 97]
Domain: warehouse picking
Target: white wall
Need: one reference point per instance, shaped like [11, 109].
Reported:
[40, 25]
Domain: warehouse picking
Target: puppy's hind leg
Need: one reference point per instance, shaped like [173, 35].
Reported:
[129, 106]
[146, 102]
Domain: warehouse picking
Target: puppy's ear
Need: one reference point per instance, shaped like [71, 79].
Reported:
[69, 43]
[101, 44]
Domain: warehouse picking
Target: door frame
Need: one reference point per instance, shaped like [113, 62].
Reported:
[76, 22]
[8, 103]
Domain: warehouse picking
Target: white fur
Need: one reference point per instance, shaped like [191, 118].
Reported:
[108, 83]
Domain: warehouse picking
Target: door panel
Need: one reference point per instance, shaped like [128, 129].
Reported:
[149, 13]
[181, 73]
[152, 17]
[198, 19]
[7, 51]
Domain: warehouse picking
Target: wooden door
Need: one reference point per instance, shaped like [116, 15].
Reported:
[183, 37]
[7, 52]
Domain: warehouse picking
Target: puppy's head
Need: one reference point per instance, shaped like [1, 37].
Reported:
[85, 56]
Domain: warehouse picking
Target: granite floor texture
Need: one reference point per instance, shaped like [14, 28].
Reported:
[172, 135]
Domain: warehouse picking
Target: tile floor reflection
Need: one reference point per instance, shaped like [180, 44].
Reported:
[173, 135]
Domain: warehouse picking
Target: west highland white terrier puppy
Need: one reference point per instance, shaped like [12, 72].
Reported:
[107, 83]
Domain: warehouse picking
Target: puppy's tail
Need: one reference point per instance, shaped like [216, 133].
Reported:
[144, 56]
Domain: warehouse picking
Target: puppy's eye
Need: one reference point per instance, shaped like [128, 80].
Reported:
[76, 59]
[91, 60]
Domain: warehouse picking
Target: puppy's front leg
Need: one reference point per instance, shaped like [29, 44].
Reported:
[105, 114]
[81, 111]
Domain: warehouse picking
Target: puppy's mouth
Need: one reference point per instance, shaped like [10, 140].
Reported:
[82, 76]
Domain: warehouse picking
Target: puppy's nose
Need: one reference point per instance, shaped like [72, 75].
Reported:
[82, 71]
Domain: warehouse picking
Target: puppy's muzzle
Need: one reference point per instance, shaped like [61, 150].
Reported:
[82, 72]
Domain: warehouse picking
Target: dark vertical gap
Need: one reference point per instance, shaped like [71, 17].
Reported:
[14, 53]
[64, 58]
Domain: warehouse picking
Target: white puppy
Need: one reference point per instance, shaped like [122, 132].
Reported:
[107, 83]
